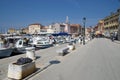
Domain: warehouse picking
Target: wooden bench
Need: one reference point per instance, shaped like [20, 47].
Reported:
[63, 51]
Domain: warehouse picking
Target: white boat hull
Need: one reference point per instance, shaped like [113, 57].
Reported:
[19, 50]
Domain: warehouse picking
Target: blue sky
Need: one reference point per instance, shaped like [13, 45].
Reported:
[21, 13]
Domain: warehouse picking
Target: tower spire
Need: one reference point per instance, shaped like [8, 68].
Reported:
[67, 27]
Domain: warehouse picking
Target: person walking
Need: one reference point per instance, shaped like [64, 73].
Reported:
[112, 37]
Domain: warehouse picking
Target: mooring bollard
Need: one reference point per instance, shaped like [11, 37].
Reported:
[30, 53]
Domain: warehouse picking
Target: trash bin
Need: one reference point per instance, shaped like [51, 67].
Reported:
[30, 53]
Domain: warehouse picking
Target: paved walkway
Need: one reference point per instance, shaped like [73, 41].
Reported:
[97, 60]
[116, 41]
[43, 57]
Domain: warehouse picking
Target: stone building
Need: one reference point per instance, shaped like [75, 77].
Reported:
[111, 22]
[100, 27]
[35, 28]
[59, 27]
[25, 30]
[119, 27]
[75, 29]
[11, 30]
[50, 29]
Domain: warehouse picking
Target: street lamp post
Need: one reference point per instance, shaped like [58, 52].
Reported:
[84, 21]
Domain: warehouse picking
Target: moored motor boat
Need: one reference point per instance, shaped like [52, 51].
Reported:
[5, 51]
[20, 46]
[40, 42]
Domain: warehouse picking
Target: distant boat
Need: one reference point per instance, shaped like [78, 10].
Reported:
[40, 42]
[43, 43]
